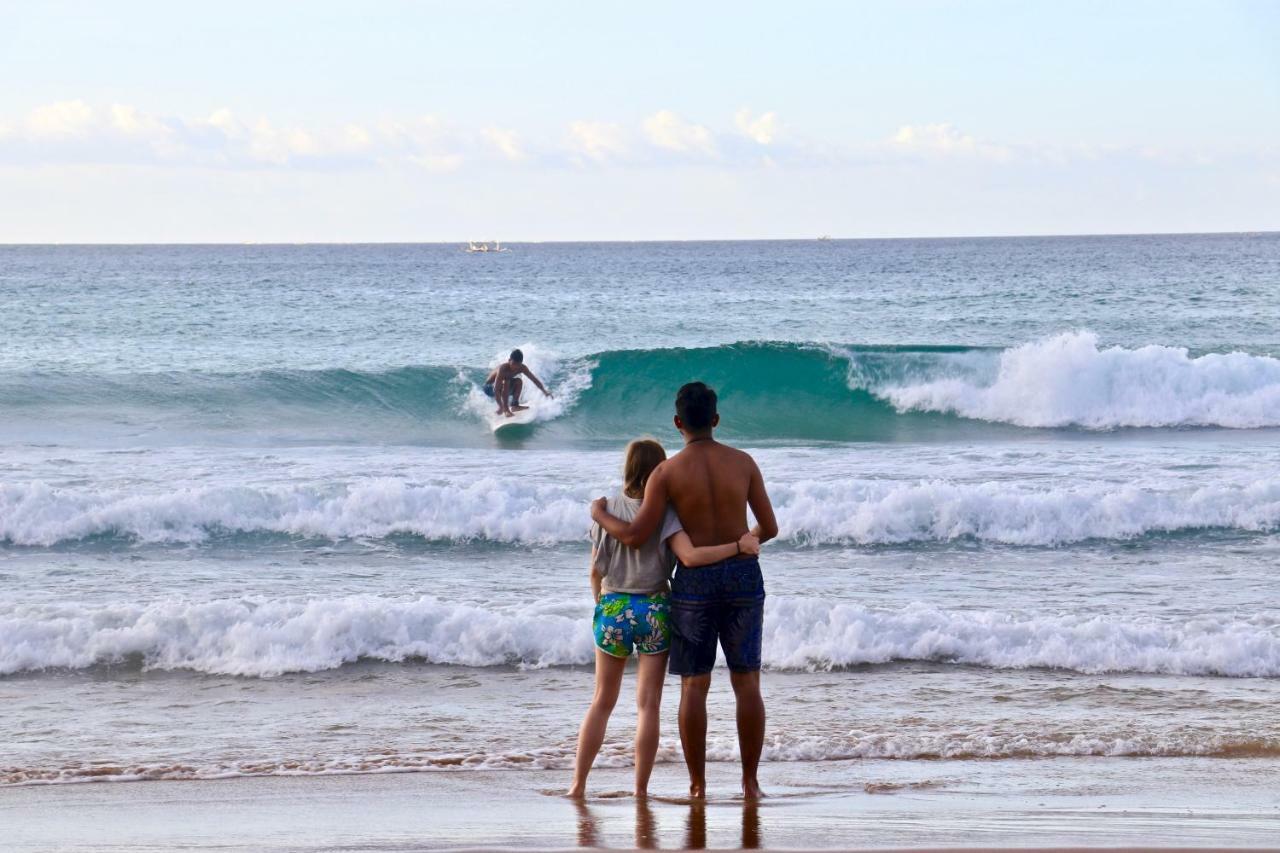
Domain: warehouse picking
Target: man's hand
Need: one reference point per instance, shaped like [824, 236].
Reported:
[600, 505]
[748, 544]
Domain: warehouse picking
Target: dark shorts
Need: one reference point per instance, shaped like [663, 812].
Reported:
[723, 603]
[488, 392]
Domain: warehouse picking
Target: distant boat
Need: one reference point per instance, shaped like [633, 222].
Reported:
[485, 246]
[825, 237]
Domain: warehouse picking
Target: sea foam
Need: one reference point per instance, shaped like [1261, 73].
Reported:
[263, 637]
[520, 510]
[1068, 380]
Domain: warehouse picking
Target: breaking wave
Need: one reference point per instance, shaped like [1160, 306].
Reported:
[261, 637]
[522, 511]
[769, 391]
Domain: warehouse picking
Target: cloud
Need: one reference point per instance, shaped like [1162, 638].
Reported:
[506, 141]
[665, 129]
[945, 140]
[61, 119]
[762, 129]
[597, 140]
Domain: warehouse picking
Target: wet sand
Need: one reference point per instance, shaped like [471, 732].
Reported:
[833, 805]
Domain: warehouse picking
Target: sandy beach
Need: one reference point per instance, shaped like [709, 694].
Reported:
[835, 805]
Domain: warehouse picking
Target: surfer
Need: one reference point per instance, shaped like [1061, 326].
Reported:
[504, 384]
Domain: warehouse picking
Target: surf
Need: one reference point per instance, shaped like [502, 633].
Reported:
[769, 391]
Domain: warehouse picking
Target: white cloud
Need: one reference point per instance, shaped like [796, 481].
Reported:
[506, 141]
[943, 139]
[762, 129]
[667, 130]
[597, 140]
[60, 119]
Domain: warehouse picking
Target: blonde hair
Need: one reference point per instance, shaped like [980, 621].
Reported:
[643, 455]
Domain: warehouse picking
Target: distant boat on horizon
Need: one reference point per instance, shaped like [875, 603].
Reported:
[484, 246]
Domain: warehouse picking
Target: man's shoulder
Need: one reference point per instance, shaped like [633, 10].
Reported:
[738, 456]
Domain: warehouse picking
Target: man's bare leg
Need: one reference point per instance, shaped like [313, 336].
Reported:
[517, 385]
[500, 394]
[693, 730]
[746, 690]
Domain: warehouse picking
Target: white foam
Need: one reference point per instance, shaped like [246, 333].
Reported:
[985, 743]
[869, 512]
[512, 510]
[255, 636]
[1067, 380]
[524, 510]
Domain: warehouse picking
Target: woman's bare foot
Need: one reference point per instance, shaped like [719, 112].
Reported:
[697, 792]
[576, 791]
[751, 789]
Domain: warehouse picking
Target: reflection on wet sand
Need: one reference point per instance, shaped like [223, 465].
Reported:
[588, 826]
[646, 826]
[647, 833]
[695, 837]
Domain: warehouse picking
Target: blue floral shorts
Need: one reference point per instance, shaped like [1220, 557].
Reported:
[624, 621]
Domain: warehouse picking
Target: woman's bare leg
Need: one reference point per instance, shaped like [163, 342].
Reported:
[608, 679]
[652, 671]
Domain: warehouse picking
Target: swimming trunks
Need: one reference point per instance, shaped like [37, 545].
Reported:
[624, 621]
[488, 392]
[722, 602]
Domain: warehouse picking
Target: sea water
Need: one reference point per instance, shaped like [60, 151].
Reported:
[253, 521]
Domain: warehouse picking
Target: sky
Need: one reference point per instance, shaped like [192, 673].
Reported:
[391, 120]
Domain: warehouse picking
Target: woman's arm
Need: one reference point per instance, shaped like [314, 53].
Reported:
[647, 520]
[595, 577]
[690, 555]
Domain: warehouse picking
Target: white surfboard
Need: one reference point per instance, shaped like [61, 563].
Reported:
[498, 422]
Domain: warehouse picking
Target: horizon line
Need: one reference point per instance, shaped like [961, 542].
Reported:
[822, 238]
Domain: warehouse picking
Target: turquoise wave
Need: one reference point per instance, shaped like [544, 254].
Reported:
[768, 391]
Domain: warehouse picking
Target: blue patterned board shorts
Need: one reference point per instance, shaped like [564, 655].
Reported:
[624, 621]
[723, 603]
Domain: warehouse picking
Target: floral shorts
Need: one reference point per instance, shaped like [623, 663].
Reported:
[624, 621]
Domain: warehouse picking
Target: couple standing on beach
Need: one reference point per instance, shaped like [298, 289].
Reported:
[690, 513]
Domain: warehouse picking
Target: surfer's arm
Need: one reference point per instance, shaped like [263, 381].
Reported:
[761, 507]
[635, 533]
[692, 555]
[535, 381]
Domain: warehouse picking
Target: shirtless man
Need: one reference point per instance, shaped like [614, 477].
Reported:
[504, 384]
[710, 485]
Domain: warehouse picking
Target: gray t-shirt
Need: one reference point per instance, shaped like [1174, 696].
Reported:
[640, 571]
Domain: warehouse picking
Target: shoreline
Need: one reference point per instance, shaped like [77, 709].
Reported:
[1117, 804]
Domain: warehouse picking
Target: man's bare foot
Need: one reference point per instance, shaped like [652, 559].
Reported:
[518, 408]
[697, 791]
[751, 789]
[576, 792]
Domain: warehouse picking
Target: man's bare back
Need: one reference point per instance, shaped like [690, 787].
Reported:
[709, 485]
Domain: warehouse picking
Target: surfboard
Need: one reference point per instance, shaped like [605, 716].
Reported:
[497, 422]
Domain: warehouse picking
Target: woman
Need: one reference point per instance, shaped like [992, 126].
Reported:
[632, 607]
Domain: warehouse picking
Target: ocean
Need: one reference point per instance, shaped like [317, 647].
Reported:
[253, 521]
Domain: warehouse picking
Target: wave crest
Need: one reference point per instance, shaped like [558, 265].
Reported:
[1067, 380]
[269, 637]
[518, 510]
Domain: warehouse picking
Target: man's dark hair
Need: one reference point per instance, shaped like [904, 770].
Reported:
[696, 405]
[517, 356]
